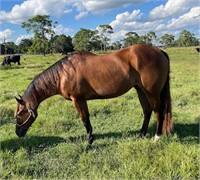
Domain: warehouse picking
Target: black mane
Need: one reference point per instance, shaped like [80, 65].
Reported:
[46, 83]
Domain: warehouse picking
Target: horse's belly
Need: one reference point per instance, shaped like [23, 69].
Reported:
[113, 89]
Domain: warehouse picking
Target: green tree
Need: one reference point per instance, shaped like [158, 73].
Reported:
[10, 48]
[167, 40]
[96, 41]
[130, 38]
[117, 45]
[105, 30]
[42, 28]
[24, 45]
[151, 36]
[83, 39]
[61, 44]
[187, 38]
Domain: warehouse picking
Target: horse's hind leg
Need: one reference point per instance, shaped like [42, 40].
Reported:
[82, 108]
[158, 107]
[147, 110]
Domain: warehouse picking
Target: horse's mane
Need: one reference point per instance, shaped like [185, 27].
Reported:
[80, 55]
[47, 82]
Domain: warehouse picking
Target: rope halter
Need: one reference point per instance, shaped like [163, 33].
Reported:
[31, 113]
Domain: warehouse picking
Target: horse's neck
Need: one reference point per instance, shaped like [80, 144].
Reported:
[35, 95]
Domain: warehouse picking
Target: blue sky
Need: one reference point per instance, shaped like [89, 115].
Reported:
[141, 16]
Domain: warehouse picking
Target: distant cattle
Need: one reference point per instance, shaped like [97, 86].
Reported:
[198, 49]
[8, 59]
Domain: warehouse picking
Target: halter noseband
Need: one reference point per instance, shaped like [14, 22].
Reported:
[31, 113]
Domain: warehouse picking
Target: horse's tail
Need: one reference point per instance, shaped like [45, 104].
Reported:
[166, 100]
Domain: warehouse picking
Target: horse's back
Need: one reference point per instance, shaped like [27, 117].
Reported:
[111, 75]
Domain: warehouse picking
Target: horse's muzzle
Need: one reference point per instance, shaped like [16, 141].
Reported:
[21, 132]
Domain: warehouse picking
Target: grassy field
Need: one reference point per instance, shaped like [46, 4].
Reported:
[54, 147]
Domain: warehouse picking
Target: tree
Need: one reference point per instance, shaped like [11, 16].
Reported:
[131, 38]
[117, 45]
[151, 36]
[167, 40]
[83, 39]
[43, 29]
[61, 44]
[8, 48]
[105, 30]
[96, 42]
[187, 38]
[25, 44]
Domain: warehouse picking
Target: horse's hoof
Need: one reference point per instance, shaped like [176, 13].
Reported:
[91, 139]
[156, 138]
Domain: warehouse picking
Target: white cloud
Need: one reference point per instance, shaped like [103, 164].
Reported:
[172, 17]
[6, 35]
[67, 11]
[81, 15]
[103, 6]
[126, 19]
[60, 29]
[172, 8]
[19, 39]
[192, 18]
[31, 8]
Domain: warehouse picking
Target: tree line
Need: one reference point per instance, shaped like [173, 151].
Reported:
[45, 41]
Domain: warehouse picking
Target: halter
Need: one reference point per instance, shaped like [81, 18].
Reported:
[31, 113]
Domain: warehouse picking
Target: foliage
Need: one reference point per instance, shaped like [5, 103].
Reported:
[105, 30]
[151, 36]
[24, 45]
[8, 48]
[131, 38]
[117, 45]
[167, 40]
[187, 38]
[54, 147]
[87, 39]
[61, 44]
[83, 39]
[43, 29]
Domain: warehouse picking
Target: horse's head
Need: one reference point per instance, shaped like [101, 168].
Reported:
[24, 117]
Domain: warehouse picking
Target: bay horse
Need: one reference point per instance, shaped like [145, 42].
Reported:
[84, 76]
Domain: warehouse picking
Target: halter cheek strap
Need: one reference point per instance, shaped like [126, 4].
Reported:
[31, 113]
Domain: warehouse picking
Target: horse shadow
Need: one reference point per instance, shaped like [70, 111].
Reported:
[36, 143]
[188, 133]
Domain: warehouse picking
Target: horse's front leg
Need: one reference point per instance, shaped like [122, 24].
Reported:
[82, 108]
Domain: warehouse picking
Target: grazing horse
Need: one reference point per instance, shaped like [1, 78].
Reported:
[84, 76]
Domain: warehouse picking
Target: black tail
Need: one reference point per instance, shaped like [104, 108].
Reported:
[166, 99]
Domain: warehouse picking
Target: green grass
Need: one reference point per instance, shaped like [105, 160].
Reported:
[54, 147]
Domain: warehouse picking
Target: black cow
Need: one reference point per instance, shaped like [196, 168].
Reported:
[8, 59]
[198, 49]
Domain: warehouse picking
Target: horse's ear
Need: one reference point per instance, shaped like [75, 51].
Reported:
[20, 101]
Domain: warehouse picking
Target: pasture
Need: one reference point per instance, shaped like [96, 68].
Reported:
[54, 147]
